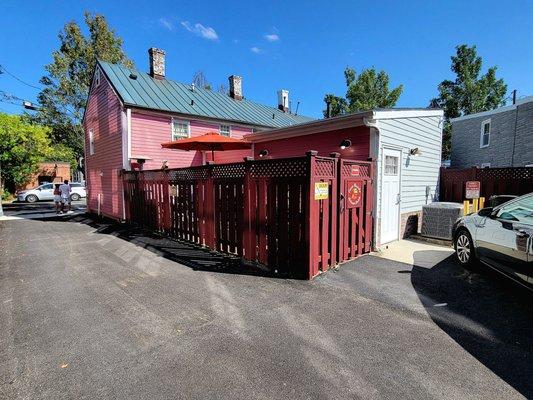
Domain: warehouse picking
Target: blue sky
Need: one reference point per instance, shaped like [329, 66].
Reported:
[301, 46]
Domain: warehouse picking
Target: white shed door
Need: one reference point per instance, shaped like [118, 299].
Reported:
[390, 195]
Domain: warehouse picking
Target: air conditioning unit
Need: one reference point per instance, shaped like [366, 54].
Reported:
[438, 219]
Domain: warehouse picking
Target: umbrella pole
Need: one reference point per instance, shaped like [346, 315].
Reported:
[213, 155]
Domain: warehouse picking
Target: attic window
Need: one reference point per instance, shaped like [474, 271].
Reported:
[97, 77]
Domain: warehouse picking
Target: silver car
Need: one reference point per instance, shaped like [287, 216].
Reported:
[500, 237]
[46, 192]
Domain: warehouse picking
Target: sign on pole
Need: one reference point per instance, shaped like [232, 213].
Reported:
[473, 189]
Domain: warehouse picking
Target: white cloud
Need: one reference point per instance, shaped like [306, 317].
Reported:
[203, 31]
[273, 37]
[256, 50]
[166, 23]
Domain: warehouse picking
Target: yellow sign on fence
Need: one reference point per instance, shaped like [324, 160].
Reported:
[321, 190]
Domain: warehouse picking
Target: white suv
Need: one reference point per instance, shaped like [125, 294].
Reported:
[46, 192]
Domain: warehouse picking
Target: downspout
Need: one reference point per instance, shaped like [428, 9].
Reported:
[371, 123]
[126, 150]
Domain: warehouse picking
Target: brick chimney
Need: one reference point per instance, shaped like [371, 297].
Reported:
[157, 63]
[283, 100]
[235, 87]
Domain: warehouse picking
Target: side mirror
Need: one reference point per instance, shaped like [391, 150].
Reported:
[485, 212]
[39, 189]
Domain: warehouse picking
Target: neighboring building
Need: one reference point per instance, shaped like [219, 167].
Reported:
[497, 138]
[130, 113]
[406, 144]
[52, 172]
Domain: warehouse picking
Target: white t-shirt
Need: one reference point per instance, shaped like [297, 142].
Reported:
[65, 191]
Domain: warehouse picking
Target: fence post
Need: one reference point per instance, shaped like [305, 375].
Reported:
[334, 202]
[209, 208]
[311, 217]
[166, 203]
[248, 244]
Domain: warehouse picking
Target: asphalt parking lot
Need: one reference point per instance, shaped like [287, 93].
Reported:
[92, 310]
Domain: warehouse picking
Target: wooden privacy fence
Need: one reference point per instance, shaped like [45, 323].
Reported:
[494, 181]
[263, 211]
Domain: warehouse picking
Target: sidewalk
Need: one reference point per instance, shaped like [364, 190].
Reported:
[415, 252]
[41, 214]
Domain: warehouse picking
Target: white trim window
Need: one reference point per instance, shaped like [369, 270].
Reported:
[91, 142]
[97, 77]
[484, 139]
[391, 165]
[225, 130]
[180, 130]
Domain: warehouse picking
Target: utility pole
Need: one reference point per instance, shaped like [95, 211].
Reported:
[514, 97]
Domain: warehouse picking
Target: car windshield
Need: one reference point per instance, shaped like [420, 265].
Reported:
[520, 210]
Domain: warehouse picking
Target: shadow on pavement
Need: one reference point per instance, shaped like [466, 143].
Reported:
[193, 256]
[489, 316]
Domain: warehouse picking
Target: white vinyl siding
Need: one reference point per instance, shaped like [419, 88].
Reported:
[180, 129]
[484, 139]
[225, 130]
[415, 172]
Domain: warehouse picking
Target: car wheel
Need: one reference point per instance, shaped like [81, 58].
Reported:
[464, 248]
[31, 198]
[74, 197]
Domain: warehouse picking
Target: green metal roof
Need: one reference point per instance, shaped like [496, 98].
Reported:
[167, 95]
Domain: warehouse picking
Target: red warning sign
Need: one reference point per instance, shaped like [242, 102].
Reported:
[355, 170]
[355, 193]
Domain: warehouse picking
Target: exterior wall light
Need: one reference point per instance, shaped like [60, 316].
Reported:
[415, 152]
[345, 144]
[263, 153]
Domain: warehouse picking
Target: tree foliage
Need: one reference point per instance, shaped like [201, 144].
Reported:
[62, 101]
[470, 92]
[22, 146]
[365, 91]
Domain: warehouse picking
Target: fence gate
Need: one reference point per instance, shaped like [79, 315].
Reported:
[356, 196]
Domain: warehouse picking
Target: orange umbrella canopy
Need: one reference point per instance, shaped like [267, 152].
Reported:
[211, 141]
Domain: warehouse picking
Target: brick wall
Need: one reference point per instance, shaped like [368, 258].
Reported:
[410, 223]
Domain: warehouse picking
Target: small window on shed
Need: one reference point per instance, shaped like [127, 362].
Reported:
[180, 130]
[485, 133]
[225, 130]
[91, 142]
[391, 165]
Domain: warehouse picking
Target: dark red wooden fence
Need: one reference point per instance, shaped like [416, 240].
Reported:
[494, 181]
[263, 211]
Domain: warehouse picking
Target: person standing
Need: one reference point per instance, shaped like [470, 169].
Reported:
[65, 190]
[57, 199]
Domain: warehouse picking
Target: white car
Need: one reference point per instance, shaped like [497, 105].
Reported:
[46, 192]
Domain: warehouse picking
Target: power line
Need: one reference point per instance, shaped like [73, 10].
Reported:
[4, 70]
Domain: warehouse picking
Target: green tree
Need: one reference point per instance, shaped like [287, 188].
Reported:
[469, 93]
[22, 146]
[365, 91]
[62, 101]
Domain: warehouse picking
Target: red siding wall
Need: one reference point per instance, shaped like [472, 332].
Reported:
[148, 131]
[103, 116]
[325, 143]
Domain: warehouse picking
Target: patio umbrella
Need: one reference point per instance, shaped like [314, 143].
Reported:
[211, 141]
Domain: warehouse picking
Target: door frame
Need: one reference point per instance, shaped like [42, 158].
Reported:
[381, 174]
